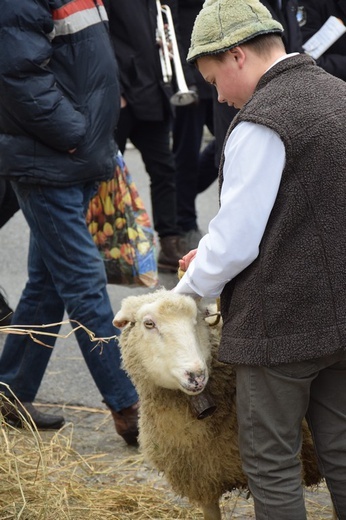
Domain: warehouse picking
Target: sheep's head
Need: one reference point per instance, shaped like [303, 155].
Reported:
[166, 334]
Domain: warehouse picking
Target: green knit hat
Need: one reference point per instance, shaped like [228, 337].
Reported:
[223, 24]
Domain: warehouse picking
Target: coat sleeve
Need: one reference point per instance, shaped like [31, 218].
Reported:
[317, 13]
[29, 89]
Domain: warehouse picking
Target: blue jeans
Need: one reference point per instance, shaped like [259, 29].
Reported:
[65, 271]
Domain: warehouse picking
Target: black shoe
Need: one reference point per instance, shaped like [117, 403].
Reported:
[16, 413]
[5, 312]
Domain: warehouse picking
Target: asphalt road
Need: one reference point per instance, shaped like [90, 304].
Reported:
[67, 380]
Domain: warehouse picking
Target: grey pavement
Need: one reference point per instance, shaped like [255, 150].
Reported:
[67, 380]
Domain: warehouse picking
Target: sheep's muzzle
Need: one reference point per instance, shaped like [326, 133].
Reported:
[195, 381]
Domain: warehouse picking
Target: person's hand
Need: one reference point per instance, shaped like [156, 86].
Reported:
[123, 102]
[187, 259]
[72, 151]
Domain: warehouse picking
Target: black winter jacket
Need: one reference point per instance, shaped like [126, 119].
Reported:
[58, 91]
[133, 32]
[314, 14]
[287, 16]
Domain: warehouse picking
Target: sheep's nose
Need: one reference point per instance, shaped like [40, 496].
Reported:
[197, 379]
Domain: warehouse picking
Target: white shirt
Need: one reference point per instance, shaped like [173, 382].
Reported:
[254, 161]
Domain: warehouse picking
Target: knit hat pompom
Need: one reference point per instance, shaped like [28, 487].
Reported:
[224, 24]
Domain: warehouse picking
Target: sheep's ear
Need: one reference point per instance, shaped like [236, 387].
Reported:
[127, 312]
[122, 318]
[119, 320]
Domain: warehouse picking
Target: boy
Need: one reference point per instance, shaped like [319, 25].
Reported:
[275, 251]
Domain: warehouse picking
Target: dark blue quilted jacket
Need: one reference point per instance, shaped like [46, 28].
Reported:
[58, 92]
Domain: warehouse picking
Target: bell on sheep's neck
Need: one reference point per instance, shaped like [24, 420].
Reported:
[202, 405]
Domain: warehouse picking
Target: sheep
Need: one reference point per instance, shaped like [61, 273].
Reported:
[170, 353]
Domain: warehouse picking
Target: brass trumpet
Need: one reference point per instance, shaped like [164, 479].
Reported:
[169, 51]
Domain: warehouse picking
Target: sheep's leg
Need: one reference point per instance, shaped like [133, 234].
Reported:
[211, 511]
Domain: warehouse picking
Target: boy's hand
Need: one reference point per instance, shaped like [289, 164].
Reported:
[187, 259]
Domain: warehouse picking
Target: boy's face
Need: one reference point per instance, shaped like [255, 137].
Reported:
[230, 76]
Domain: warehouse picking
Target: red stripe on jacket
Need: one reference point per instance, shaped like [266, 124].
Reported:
[73, 7]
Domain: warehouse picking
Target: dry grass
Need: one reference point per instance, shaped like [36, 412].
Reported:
[50, 480]
[35, 332]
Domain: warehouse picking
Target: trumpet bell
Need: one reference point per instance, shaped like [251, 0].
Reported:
[169, 49]
[180, 99]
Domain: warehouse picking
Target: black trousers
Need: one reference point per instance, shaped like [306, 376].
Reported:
[187, 139]
[223, 116]
[152, 139]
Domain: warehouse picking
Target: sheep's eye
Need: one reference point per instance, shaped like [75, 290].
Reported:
[149, 324]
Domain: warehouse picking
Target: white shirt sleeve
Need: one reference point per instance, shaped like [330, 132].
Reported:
[254, 161]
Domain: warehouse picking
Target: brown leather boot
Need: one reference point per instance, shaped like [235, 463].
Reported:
[126, 424]
[170, 254]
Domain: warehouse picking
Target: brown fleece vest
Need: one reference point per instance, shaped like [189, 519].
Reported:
[290, 303]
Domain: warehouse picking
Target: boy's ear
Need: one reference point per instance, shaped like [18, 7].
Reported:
[238, 54]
